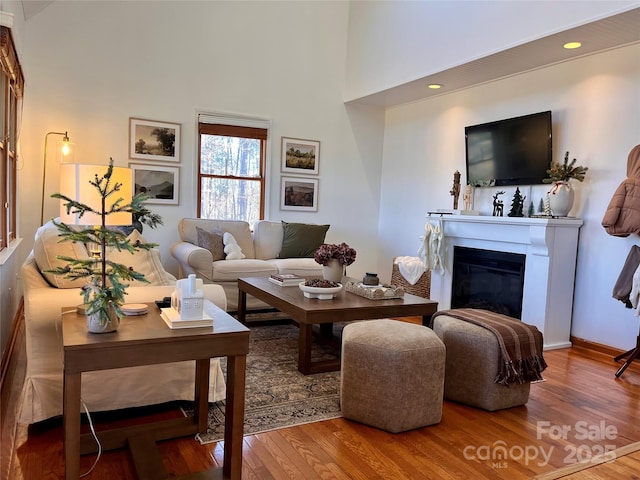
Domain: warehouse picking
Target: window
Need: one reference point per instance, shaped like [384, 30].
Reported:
[11, 91]
[231, 177]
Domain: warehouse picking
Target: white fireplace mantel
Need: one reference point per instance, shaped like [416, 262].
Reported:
[550, 246]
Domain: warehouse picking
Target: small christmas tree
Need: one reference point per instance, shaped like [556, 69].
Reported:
[517, 204]
[106, 289]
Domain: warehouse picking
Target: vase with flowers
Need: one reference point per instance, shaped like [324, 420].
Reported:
[561, 194]
[334, 258]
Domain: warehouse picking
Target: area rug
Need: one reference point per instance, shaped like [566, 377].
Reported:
[592, 463]
[277, 395]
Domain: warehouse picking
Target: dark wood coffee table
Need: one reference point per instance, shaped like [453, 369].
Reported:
[344, 307]
[146, 340]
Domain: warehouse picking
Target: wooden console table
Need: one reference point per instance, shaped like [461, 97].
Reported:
[146, 340]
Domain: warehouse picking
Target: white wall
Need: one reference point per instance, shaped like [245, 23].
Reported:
[392, 43]
[90, 66]
[596, 118]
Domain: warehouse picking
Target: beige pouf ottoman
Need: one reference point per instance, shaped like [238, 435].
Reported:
[472, 365]
[392, 375]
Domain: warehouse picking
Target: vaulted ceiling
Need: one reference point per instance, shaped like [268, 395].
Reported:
[598, 36]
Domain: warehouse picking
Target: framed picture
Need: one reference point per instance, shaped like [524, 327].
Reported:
[300, 156]
[299, 193]
[154, 141]
[160, 182]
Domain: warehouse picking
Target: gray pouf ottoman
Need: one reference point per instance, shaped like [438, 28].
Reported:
[392, 375]
[472, 365]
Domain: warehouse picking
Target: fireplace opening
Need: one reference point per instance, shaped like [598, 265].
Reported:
[488, 279]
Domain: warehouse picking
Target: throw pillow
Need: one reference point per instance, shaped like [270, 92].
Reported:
[47, 248]
[147, 262]
[301, 240]
[212, 241]
[231, 247]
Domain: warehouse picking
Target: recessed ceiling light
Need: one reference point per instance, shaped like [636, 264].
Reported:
[434, 86]
[572, 45]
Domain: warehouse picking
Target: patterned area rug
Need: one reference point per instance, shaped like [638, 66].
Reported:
[277, 395]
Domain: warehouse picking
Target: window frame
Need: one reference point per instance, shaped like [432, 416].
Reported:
[234, 126]
[11, 92]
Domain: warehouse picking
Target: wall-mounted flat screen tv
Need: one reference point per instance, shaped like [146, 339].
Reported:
[514, 151]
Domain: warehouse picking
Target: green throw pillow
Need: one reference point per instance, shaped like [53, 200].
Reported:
[301, 240]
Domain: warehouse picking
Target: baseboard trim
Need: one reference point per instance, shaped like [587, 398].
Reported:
[605, 350]
[596, 347]
[7, 355]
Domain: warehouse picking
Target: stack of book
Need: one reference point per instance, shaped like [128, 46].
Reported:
[172, 318]
[286, 279]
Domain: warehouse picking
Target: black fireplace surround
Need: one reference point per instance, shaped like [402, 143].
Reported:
[488, 279]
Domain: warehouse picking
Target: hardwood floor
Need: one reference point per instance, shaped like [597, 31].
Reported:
[580, 410]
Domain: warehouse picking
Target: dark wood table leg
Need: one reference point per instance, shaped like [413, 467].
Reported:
[326, 330]
[234, 417]
[426, 320]
[71, 420]
[304, 348]
[242, 306]
[201, 406]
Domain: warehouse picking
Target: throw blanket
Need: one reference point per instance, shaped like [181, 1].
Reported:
[411, 268]
[520, 344]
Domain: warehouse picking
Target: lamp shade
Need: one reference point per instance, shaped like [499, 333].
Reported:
[74, 183]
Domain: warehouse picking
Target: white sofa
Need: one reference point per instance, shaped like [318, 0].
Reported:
[108, 389]
[261, 248]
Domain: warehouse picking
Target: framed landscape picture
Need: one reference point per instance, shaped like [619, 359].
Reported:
[299, 193]
[160, 182]
[300, 156]
[154, 141]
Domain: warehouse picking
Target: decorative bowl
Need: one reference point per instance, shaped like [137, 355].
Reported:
[319, 292]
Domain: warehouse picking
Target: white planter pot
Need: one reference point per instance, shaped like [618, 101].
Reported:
[96, 324]
[561, 198]
[333, 271]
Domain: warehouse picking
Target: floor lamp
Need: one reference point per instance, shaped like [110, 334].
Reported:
[65, 153]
